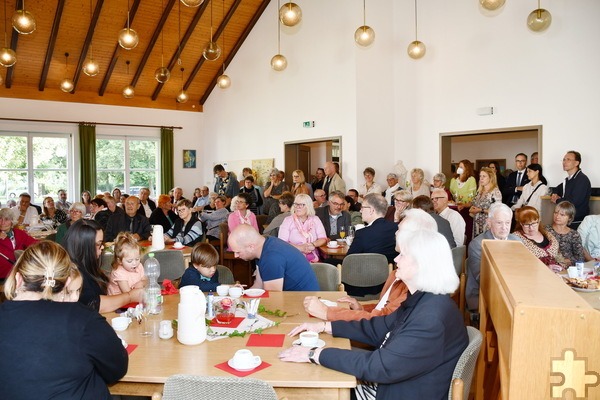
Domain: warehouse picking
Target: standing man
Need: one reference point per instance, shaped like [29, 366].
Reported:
[129, 221]
[515, 181]
[24, 212]
[332, 216]
[280, 266]
[147, 205]
[333, 181]
[439, 197]
[62, 203]
[317, 183]
[226, 184]
[535, 159]
[393, 186]
[576, 188]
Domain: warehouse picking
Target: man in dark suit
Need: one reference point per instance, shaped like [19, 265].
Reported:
[332, 216]
[147, 205]
[129, 221]
[515, 181]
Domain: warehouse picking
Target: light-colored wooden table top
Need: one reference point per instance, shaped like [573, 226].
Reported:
[334, 252]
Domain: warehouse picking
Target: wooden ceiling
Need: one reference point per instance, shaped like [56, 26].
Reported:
[68, 26]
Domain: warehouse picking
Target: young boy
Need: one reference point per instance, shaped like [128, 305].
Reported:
[202, 271]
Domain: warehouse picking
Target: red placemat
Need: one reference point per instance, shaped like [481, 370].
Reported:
[131, 347]
[234, 323]
[132, 305]
[225, 367]
[266, 340]
[262, 296]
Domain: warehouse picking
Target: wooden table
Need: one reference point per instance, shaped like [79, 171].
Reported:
[334, 252]
[186, 250]
[154, 360]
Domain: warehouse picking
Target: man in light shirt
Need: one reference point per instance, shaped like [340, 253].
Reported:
[24, 212]
[457, 222]
[62, 203]
[147, 205]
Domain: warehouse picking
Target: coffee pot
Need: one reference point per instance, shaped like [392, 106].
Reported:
[191, 314]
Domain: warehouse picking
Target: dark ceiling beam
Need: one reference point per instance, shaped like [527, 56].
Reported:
[14, 40]
[87, 43]
[182, 44]
[157, 31]
[51, 43]
[115, 55]
[233, 52]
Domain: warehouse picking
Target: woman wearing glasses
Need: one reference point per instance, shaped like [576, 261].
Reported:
[76, 212]
[402, 201]
[536, 239]
[303, 229]
[299, 185]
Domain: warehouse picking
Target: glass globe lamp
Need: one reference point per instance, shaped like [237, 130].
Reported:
[416, 49]
[162, 74]
[128, 92]
[182, 97]
[211, 51]
[364, 35]
[290, 14]
[128, 38]
[491, 4]
[539, 20]
[23, 22]
[279, 62]
[66, 85]
[223, 81]
[8, 57]
[91, 68]
[192, 3]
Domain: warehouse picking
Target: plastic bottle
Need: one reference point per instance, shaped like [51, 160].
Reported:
[579, 264]
[153, 294]
[210, 312]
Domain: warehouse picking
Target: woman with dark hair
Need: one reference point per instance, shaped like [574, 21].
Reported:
[464, 186]
[534, 190]
[500, 179]
[86, 199]
[84, 243]
[51, 213]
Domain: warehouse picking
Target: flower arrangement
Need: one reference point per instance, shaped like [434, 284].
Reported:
[224, 310]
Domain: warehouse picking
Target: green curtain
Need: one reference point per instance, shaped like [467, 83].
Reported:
[166, 160]
[87, 153]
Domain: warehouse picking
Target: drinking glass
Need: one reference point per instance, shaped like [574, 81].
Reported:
[342, 232]
[145, 311]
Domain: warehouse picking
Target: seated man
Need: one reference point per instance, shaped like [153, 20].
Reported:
[280, 266]
[458, 225]
[129, 221]
[589, 230]
[24, 212]
[320, 199]
[147, 205]
[498, 222]
[333, 217]
[424, 203]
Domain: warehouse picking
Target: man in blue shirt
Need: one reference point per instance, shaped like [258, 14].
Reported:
[280, 266]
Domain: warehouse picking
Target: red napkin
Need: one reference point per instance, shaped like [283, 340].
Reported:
[168, 288]
[262, 296]
[266, 340]
[131, 347]
[234, 323]
[225, 367]
[130, 305]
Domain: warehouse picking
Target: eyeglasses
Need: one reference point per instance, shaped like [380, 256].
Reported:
[437, 198]
[75, 212]
[365, 207]
[299, 205]
[336, 204]
[295, 176]
[531, 225]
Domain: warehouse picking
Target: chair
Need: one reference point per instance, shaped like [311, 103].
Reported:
[106, 262]
[261, 220]
[463, 372]
[328, 276]
[365, 270]
[192, 387]
[458, 258]
[171, 263]
[225, 275]
[227, 258]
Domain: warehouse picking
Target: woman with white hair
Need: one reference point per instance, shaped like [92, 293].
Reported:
[418, 345]
[417, 185]
[11, 239]
[439, 182]
[76, 212]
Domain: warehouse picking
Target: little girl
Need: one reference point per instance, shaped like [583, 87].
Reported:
[128, 271]
[202, 271]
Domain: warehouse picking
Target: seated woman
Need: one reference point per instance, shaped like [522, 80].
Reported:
[51, 214]
[77, 212]
[163, 215]
[241, 215]
[487, 193]
[418, 186]
[187, 229]
[355, 216]
[418, 345]
[84, 243]
[534, 190]
[78, 353]
[402, 201]
[536, 239]
[303, 229]
[214, 218]
[11, 239]
[285, 205]
[370, 186]
[590, 237]
[569, 241]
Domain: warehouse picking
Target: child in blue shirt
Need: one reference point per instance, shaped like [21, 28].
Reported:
[202, 271]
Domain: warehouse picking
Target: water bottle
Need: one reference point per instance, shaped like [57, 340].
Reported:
[153, 294]
[210, 312]
[579, 264]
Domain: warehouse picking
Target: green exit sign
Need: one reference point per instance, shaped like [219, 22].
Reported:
[308, 124]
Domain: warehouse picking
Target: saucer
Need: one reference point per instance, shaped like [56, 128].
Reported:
[333, 247]
[320, 343]
[230, 363]
[254, 292]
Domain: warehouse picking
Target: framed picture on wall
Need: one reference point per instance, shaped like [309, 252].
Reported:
[189, 159]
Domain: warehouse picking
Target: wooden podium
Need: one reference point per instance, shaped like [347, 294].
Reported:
[541, 338]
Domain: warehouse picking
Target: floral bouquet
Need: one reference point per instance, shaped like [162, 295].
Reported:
[224, 310]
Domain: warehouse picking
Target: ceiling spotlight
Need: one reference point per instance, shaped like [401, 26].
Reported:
[67, 85]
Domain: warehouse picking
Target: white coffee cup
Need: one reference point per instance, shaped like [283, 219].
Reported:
[244, 359]
[309, 339]
[165, 331]
[333, 243]
[120, 323]
[178, 245]
[222, 290]
[235, 292]
[573, 272]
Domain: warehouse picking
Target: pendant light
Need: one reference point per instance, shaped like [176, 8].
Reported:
[8, 57]
[128, 91]
[364, 35]
[162, 73]
[491, 4]
[290, 14]
[416, 49]
[182, 97]
[23, 21]
[278, 62]
[223, 81]
[192, 3]
[128, 38]
[211, 51]
[66, 85]
[91, 66]
[539, 19]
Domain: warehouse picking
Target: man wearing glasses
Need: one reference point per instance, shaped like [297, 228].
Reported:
[515, 181]
[576, 187]
[333, 217]
[457, 222]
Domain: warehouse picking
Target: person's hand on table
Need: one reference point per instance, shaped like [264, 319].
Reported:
[352, 302]
[298, 354]
[315, 307]
[318, 327]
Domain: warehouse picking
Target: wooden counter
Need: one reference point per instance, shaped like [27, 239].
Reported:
[532, 322]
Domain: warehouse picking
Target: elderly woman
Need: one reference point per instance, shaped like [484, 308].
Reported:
[86, 199]
[303, 229]
[439, 182]
[76, 212]
[402, 201]
[285, 205]
[418, 186]
[569, 240]
[536, 239]
[78, 353]
[464, 186]
[299, 185]
[10, 240]
[51, 214]
[187, 229]
[418, 345]
[533, 190]
[241, 214]
[370, 186]
[487, 194]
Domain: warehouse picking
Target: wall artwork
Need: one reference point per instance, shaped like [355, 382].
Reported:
[189, 159]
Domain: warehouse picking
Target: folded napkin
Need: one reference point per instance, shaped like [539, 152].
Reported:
[169, 288]
[234, 323]
[225, 367]
[131, 347]
[266, 340]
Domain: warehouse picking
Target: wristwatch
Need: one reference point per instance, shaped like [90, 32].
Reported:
[311, 355]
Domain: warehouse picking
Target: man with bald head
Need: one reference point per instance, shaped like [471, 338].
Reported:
[333, 181]
[457, 222]
[279, 265]
[129, 221]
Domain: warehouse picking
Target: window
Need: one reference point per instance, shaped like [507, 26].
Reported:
[127, 163]
[36, 163]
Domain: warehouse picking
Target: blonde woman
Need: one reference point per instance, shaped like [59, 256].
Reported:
[487, 194]
[299, 185]
[402, 202]
[417, 185]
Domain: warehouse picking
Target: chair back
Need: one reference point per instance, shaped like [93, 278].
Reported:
[225, 275]
[172, 265]
[192, 387]
[106, 260]
[463, 372]
[261, 220]
[365, 270]
[328, 276]
[458, 257]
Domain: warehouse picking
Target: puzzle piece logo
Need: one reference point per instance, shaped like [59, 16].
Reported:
[575, 376]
